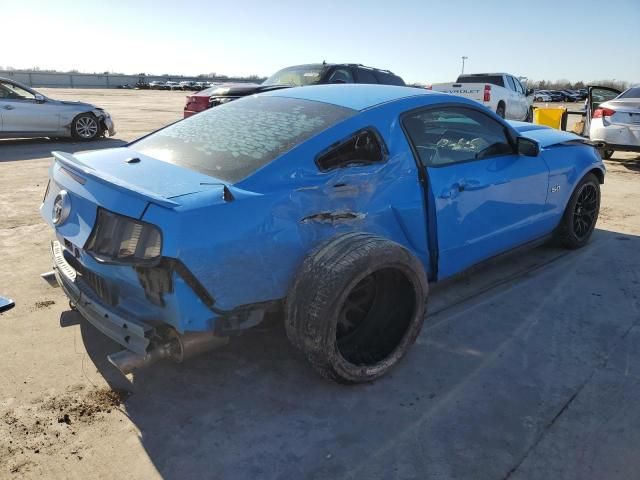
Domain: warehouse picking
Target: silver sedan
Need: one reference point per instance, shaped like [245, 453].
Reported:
[25, 113]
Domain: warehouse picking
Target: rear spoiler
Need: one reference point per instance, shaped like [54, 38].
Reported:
[69, 161]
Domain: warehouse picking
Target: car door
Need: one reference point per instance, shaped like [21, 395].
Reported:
[595, 96]
[484, 197]
[513, 107]
[23, 113]
[523, 101]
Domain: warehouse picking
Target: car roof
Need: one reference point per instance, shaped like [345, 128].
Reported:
[353, 96]
[314, 65]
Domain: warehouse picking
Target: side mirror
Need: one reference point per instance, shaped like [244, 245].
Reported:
[527, 147]
[40, 98]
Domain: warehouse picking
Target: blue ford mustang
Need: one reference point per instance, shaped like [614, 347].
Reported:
[333, 205]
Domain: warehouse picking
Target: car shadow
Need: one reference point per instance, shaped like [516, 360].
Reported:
[255, 408]
[632, 164]
[30, 149]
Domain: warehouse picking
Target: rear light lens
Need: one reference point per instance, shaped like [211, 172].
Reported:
[430, 87]
[124, 240]
[487, 93]
[603, 112]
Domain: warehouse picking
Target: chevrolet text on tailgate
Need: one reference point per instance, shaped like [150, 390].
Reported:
[309, 204]
[499, 92]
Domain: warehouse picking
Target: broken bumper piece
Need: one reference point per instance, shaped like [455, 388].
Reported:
[131, 334]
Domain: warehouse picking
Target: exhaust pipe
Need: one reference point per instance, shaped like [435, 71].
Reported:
[178, 348]
[50, 278]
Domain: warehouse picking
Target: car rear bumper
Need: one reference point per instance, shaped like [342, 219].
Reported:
[131, 334]
[625, 137]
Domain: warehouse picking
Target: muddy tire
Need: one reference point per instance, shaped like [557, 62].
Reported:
[85, 127]
[356, 306]
[500, 111]
[581, 214]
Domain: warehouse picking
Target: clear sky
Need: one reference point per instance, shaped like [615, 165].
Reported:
[419, 40]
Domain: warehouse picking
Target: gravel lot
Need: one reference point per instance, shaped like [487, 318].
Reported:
[527, 368]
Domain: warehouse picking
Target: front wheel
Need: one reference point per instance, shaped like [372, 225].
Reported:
[581, 214]
[356, 306]
[85, 127]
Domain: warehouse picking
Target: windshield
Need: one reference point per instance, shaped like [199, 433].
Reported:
[296, 76]
[233, 140]
[631, 93]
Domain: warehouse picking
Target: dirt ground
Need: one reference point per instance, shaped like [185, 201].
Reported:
[528, 368]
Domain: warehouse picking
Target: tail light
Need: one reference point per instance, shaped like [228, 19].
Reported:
[487, 93]
[603, 112]
[124, 240]
[429, 87]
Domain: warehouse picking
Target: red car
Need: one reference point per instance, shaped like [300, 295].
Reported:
[203, 99]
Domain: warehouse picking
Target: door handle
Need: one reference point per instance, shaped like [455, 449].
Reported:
[462, 186]
[471, 185]
[8, 107]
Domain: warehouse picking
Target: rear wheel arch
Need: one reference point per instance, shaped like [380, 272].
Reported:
[501, 109]
[356, 305]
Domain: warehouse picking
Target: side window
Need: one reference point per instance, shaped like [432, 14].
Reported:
[511, 83]
[448, 135]
[9, 91]
[519, 87]
[362, 148]
[366, 76]
[341, 75]
[388, 79]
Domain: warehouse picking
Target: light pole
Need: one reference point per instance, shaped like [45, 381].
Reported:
[463, 59]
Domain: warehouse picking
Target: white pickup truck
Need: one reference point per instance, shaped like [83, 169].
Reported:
[499, 92]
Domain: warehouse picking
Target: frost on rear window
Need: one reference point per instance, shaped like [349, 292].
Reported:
[233, 140]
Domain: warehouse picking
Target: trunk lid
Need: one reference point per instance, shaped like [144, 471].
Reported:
[120, 180]
[627, 111]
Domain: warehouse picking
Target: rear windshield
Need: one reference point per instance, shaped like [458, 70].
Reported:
[492, 79]
[631, 93]
[233, 140]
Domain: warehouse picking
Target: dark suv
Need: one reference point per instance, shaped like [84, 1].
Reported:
[297, 76]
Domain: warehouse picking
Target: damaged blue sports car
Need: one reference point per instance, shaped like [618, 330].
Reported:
[333, 206]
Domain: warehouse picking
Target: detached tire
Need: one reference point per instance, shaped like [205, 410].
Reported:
[356, 306]
[581, 214]
[86, 126]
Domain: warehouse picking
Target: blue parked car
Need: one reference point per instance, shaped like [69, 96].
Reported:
[332, 205]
